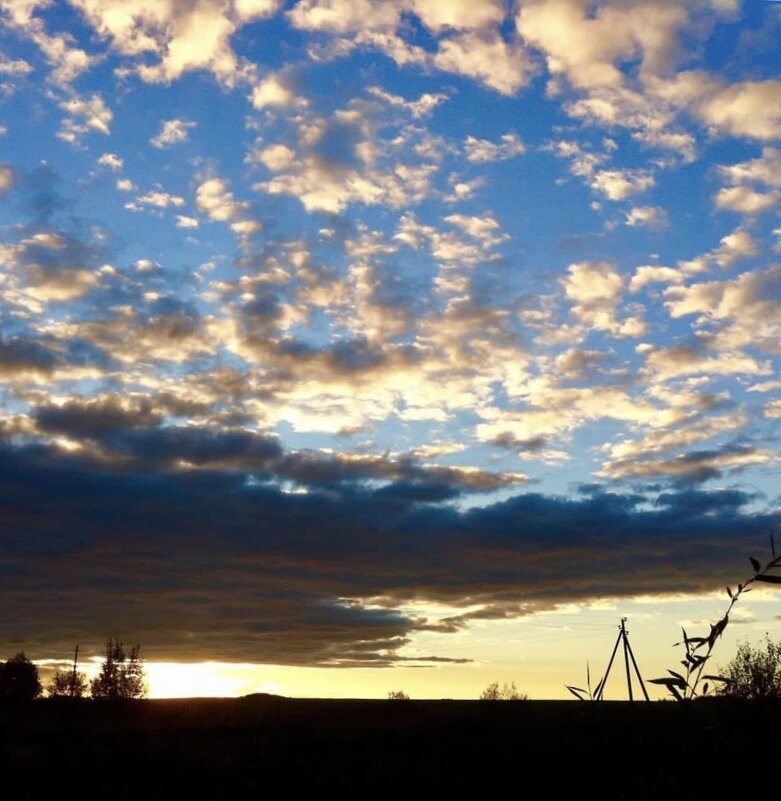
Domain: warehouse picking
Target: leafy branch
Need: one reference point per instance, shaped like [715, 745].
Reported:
[587, 694]
[685, 686]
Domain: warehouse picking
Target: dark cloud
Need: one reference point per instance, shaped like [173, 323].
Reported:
[95, 419]
[205, 565]
[129, 434]
[21, 355]
[695, 467]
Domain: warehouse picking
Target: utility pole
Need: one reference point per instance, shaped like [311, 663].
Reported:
[629, 656]
[73, 675]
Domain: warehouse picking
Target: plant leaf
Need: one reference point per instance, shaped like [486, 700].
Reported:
[770, 579]
[755, 564]
[668, 682]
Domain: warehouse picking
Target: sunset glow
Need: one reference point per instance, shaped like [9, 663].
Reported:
[350, 346]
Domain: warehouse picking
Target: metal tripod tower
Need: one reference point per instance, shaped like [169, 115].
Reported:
[623, 637]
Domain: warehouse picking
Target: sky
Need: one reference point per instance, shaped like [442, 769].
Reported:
[350, 346]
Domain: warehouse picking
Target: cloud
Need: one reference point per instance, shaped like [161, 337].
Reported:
[620, 184]
[22, 358]
[481, 150]
[251, 573]
[500, 65]
[595, 289]
[272, 91]
[588, 47]
[160, 199]
[84, 115]
[749, 108]
[652, 217]
[6, 178]
[172, 132]
[182, 36]
[338, 162]
[419, 108]
[764, 170]
[691, 468]
[112, 161]
[745, 200]
[732, 248]
[459, 14]
[67, 60]
[215, 199]
[54, 266]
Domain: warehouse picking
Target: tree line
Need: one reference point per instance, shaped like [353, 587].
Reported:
[122, 676]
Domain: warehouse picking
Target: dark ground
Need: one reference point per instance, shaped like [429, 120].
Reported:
[225, 749]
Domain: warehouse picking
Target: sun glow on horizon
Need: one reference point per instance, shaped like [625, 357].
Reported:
[208, 680]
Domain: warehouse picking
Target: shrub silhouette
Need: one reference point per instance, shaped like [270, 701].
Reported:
[121, 676]
[398, 695]
[67, 684]
[507, 692]
[19, 679]
[686, 686]
[754, 673]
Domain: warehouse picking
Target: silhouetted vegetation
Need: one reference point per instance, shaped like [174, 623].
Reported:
[398, 695]
[686, 686]
[121, 675]
[68, 683]
[19, 679]
[754, 673]
[507, 692]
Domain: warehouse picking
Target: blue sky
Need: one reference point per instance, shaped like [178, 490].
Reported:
[379, 287]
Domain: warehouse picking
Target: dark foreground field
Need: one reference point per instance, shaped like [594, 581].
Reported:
[225, 749]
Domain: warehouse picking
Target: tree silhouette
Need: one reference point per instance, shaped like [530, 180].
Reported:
[508, 692]
[19, 679]
[754, 673]
[121, 676]
[67, 684]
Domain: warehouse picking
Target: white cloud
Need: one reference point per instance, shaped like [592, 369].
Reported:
[421, 107]
[745, 200]
[595, 288]
[346, 16]
[112, 161]
[751, 109]
[85, 115]
[172, 132]
[183, 221]
[183, 36]
[500, 65]
[16, 66]
[586, 44]
[652, 274]
[215, 199]
[752, 297]
[620, 184]
[277, 157]
[60, 51]
[647, 217]
[437, 15]
[6, 178]
[272, 91]
[766, 170]
[483, 150]
[160, 199]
